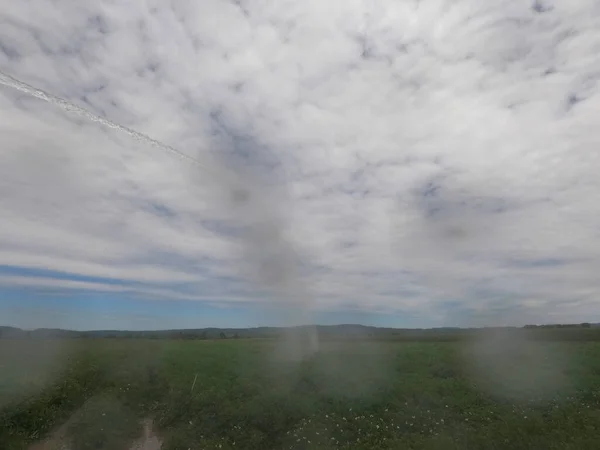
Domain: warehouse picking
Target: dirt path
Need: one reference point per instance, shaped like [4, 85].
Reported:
[149, 439]
[58, 439]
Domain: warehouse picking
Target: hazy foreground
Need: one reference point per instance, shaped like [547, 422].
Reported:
[499, 392]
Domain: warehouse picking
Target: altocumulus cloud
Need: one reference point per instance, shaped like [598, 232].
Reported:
[437, 159]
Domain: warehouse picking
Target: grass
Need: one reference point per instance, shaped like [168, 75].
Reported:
[375, 395]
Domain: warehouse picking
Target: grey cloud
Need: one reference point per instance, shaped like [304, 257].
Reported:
[390, 155]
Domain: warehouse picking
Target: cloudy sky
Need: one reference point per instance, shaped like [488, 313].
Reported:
[402, 163]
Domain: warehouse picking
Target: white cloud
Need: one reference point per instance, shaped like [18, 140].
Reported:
[423, 157]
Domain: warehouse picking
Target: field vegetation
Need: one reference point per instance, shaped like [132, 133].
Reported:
[524, 393]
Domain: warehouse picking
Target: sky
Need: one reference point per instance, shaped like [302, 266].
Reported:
[168, 164]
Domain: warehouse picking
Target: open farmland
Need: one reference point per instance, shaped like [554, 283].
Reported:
[239, 394]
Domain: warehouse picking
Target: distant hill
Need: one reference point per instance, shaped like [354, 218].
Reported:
[344, 331]
[7, 332]
[324, 331]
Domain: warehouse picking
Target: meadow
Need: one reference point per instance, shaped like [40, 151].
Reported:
[242, 394]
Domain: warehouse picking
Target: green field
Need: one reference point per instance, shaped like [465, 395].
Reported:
[238, 394]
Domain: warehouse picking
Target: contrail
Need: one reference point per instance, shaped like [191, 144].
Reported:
[238, 183]
[13, 83]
